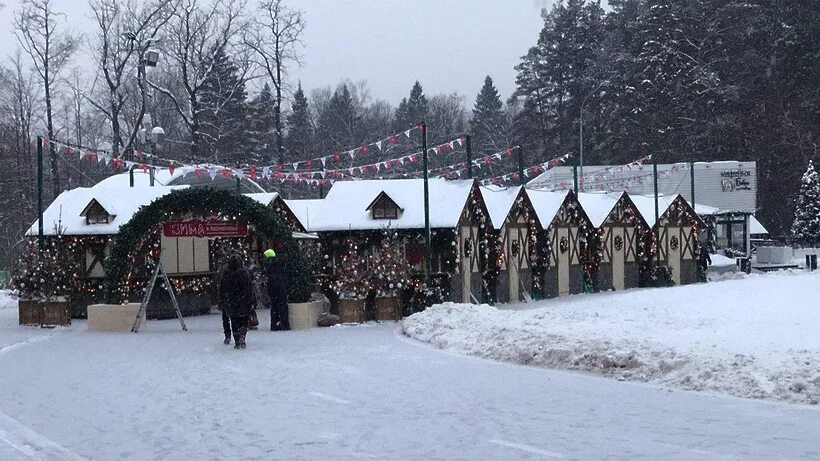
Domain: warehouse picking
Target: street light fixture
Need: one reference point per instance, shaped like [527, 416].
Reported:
[581, 128]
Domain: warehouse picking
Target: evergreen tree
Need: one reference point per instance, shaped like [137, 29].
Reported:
[806, 225]
[413, 110]
[487, 124]
[558, 75]
[299, 141]
[260, 121]
[338, 121]
[223, 111]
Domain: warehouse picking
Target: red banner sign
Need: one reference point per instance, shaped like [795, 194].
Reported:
[196, 228]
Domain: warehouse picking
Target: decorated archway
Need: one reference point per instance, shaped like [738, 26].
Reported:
[136, 247]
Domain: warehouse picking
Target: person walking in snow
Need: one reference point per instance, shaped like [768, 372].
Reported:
[236, 299]
[277, 284]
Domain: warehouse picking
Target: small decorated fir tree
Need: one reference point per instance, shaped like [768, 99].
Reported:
[350, 281]
[48, 273]
[806, 225]
[389, 269]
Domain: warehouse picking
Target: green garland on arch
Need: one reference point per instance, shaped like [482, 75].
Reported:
[202, 202]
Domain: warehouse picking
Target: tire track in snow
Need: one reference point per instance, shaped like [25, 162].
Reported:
[19, 344]
[527, 448]
[329, 398]
[32, 444]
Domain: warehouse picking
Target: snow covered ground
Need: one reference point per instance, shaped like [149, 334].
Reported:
[755, 336]
[346, 393]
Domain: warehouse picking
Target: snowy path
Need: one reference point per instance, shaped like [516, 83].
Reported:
[355, 393]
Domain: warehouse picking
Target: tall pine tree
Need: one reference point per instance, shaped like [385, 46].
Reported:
[223, 102]
[413, 110]
[487, 124]
[806, 225]
[299, 140]
[261, 142]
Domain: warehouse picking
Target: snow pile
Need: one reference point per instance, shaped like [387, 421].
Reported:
[753, 337]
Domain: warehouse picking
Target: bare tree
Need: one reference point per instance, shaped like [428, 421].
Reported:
[194, 35]
[35, 24]
[275, 38]
[125, 33]
[18, 103]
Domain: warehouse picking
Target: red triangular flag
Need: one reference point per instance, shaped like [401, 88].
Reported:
[171, 169]
[394, 139]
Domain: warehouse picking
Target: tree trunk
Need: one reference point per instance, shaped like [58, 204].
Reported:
[55, 174]
[277, 113]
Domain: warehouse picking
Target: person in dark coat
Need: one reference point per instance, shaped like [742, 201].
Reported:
[237, 298]
[277, 284]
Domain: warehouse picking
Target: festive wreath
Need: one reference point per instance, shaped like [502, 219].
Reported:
[563, 245]
[619, 243]
[207, 202]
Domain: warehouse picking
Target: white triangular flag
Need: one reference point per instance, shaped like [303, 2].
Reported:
[352, 153]
[212, 172]
[265, 172]
[452, 145]
[379, 145]
[407, 133]
[324, 160]
[238, 172]
[295, 165]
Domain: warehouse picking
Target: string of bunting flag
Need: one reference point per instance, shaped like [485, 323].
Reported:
[618, 184]
[270, 172]
[534, 169]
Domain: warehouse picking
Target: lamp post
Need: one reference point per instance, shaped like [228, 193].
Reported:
[581, 128]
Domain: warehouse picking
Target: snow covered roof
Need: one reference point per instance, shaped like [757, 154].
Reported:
[63, 215]
[304, 209]
[345, 206]
[499, 202]
[546, 204]
[598, 205]
[265, 198]
[755, 227]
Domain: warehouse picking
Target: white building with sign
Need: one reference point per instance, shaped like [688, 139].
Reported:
[725, 191]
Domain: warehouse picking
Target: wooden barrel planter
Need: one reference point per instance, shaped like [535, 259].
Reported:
[351, 310]
[55, 313]
[29, 312]
[388, 308]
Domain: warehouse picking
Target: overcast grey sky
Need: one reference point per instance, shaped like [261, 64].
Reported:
[448, 45]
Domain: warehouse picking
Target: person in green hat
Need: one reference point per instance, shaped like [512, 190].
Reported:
[277, 284]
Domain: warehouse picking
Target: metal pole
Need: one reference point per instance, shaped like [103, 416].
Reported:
[657, 223]
[521, 180]
[692, 180]
[469, 157]
[40, 193]
[428, 248]
[581, 136]
[131, 177]
[151, 171]
[575, 178]
[238, 186]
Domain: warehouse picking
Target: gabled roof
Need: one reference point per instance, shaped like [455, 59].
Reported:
[383, 196]
[93, 203]
[345, 206]
[546, 204]
[499, 202]
[646, 206]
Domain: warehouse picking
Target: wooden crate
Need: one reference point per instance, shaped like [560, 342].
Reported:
[388, 308]
[351, 310]
[29, 312]
[55, 313]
